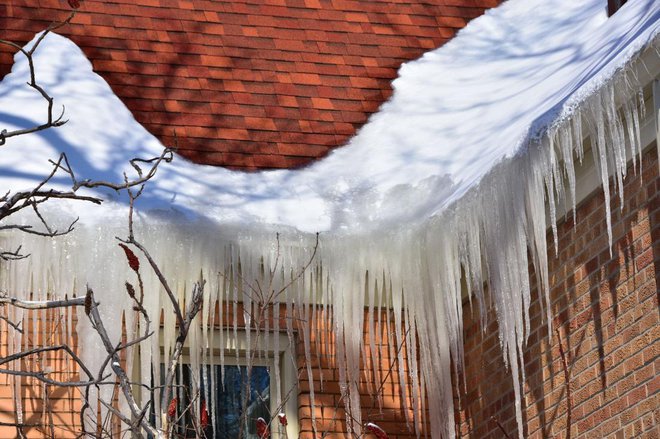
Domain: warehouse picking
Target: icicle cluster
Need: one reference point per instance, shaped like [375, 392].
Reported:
[407, 283]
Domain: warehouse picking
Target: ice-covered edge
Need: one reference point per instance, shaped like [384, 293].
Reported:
[487, 234]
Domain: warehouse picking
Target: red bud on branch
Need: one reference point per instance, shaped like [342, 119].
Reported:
[133, 261]
[376, 430]
[171, 409]
[262, 429]
[203, 416]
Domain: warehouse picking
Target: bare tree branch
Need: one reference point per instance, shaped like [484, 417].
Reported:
[13, 202]
[52, 120]
[124, 381]
[41, 304]
[15, 255]
[499, 425]
[16, 326]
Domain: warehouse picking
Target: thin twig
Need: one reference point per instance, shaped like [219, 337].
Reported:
[16, 326]
[120, 373]
[52, 120]
[494, 419]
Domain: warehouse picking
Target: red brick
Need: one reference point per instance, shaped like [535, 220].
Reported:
[610, 310]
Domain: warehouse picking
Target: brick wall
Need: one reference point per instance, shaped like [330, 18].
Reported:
[42, 405]
[606, 312]
[381, 396]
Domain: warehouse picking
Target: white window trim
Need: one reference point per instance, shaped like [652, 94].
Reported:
[286, 357]
[586, 173]
[287, 365]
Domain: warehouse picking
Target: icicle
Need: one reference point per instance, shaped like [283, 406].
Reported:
[391, 352]
[616, 141]
[237, 277]
[290, 316]
[566, 142]
[214, 391]
[536, 227]
[601, 158]
[375, 378]
[276, 354]
[638, 115]
[266, 333]
[247, 327]
[304, 318]
[482, 240]
[224, 313]
[550, 173]
[15, 343]
[367, 371]
[321, 328]
[380, 296]
[411, 355]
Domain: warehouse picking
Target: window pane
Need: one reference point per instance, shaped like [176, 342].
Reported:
[229, 401]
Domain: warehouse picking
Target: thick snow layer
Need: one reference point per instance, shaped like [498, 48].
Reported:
[448, 180]
[455, 113]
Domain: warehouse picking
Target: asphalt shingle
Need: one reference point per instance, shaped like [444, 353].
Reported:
[248, 84]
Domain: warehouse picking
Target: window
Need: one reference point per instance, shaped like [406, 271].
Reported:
[222, 388]
[221, 394]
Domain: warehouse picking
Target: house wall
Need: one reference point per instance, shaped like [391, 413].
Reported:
[605, 309]
[42, 406]
[55, 412]
[381, 397]
[606, 312]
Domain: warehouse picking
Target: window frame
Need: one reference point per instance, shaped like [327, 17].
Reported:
[234, 354]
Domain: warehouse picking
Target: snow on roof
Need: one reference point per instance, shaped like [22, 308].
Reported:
[449, 177]
[455, 113]
[248, 84]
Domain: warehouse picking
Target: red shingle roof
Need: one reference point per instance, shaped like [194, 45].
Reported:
[248, 83]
